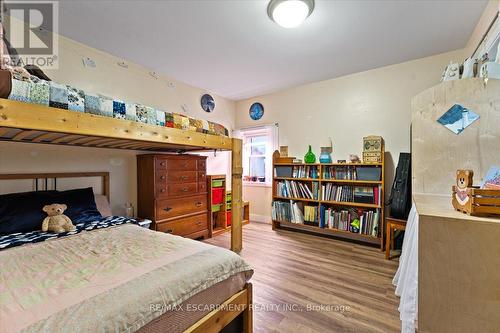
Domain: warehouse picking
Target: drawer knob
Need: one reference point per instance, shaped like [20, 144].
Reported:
[167, 209]
[162, 177]
[168, 231]
[198, 204]
[163, 163]
[162, 190]
[199, 223]
[185, 189]
[184, 177]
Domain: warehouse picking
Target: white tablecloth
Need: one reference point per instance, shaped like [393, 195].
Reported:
[406, 278]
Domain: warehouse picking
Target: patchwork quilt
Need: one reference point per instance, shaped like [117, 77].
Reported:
[49, 93]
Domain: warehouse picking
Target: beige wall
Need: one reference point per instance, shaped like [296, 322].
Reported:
[133, 84]
[376, 102]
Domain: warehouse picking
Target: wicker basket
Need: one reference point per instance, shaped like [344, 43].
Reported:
[480, 202]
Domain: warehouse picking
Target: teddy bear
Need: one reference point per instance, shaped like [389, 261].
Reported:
[56, 221]
[464, 181]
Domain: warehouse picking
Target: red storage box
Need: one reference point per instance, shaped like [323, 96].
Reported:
[228, 218]
[217, 195]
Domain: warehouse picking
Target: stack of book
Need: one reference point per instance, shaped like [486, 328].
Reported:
[294, 189]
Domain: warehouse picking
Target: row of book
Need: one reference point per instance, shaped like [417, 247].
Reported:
[294, 189]
[294, 212]
[360, 222]
[349, 193]
[298, 171]
[340, 172]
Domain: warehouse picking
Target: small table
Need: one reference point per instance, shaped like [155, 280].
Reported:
[391, 224]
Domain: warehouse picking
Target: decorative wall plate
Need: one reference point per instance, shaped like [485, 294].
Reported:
[207, 103]
[256, 111]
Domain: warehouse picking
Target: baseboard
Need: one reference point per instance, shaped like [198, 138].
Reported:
[260, 218]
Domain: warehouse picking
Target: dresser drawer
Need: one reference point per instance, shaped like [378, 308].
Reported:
[182, 189]
[202, 176]
[202, 187]
[184, 226]
[161, 164]
[169, 208]
[182, 164]
[182, 176]
[202, 165]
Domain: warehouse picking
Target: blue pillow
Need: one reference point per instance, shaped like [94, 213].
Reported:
[22, 212]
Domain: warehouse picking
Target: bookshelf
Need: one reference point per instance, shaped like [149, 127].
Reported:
[219, 207]
[337, 193]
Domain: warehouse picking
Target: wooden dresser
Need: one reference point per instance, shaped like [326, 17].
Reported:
[172, 192]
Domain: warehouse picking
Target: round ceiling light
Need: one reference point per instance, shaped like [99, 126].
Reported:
[289, 13]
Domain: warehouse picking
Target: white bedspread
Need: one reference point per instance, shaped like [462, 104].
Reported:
[105, 280]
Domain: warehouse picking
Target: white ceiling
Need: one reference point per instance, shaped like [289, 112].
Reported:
[232, 48]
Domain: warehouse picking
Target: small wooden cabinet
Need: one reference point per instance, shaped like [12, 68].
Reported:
[172, 192]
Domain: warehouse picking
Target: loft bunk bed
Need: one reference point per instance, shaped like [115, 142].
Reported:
[33, 123]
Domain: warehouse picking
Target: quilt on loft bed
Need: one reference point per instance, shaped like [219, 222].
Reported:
[37, 91]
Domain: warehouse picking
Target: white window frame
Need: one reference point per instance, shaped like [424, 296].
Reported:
[271, 131]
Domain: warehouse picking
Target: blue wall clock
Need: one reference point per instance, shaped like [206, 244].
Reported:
[256, 111]
[207, 103]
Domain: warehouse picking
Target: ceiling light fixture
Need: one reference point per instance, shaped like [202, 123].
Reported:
[289, 13]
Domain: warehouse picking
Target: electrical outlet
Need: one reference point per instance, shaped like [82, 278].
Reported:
[88, 62]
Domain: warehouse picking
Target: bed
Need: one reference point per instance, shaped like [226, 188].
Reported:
[110, 274]
[22, 121]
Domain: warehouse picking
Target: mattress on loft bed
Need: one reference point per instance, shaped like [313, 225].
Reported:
[37, 91]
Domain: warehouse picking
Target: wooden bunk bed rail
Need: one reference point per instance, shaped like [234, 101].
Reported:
[32, 123]
[23, 122]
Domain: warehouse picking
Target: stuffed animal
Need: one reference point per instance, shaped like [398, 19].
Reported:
[464, 181]
[56, 221]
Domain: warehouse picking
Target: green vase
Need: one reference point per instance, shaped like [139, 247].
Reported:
[309, 156]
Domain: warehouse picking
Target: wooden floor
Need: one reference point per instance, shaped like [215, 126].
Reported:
[294, 272]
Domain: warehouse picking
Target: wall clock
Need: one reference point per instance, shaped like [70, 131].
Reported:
[256, 111]
[207, 103]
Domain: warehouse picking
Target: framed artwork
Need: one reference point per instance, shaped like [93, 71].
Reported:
[256, 111]
[207, 103]
[458, 118]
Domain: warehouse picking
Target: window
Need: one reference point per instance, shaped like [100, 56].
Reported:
[258, 147]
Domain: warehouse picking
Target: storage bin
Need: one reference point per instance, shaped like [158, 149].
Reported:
[369, 173]
[217, 195]
[216, 208]
[228, 197]
[228, 206]
[228, 218]
[217, 182]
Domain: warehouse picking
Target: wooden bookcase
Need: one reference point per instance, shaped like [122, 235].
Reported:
[333, 204]
[218, 221]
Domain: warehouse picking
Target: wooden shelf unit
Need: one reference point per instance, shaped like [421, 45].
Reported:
[218, 222]
[313, 202]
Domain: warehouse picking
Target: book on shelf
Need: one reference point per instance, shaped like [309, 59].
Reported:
[295, 189]
[341, 219]
[349, 193]
[288, 211]
[352, 172]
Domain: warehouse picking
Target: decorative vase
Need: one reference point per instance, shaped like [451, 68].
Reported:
[309, 157]
[325, 156]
